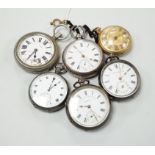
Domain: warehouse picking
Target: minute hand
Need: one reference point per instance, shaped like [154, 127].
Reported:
[53, 86]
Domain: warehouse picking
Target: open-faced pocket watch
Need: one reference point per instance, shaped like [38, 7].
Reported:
[118, 77]
[37, 51]
[82, 57]
[88, 106]
[49, 91]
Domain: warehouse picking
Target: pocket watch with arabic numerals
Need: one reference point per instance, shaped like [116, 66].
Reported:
[49, 91]
[118, 77]
[37, 51]
[82, 57]
[88, 106]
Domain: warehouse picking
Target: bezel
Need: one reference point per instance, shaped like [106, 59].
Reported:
[108, 51]
[44, 67]
[81, 74]
[68, 113]
[52, 109]
[118, 96]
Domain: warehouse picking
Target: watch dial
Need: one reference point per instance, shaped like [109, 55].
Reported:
[120, 79]
[83, 56]
[88, 106]
[35, 49]
[48, 90]
[115, 39]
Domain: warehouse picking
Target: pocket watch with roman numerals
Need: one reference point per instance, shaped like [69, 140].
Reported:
[82, 57]
[88, 106]
[38, 51]
[49, 91]
[118, 77]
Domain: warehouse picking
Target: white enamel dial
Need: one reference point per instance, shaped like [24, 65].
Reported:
[48, 90]
[120, 79]
[88, 106]
[83, 56]
[35, 49]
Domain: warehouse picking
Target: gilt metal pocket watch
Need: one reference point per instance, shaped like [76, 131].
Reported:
[49, 91]
[37, 51]
[88, 106]
[82, 57]
[118, 77]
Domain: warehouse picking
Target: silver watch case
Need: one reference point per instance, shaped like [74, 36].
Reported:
[36, 69]
[126, 96]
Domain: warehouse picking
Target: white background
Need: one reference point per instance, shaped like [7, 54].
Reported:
[131, 121]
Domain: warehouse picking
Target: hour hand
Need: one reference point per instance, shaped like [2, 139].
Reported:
[34, 52]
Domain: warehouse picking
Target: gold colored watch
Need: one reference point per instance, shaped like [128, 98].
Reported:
[114, 40]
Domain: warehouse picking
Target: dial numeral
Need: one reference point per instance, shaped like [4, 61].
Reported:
[57, 100]
[48, 53]
[78, 116]
[75, 47]
[39, 60]
[102, 110]
[110, 69]
[44, 58]
[28, 42]
[85, 119]
[34, 91]
[45, 42]
[85, 92]
[24, 47]
[48, 47]
[96, 54]
[98, 96]
[116, 66]
[69, 57]
[133, 82]
[95, 60]
[33, 39]
[133, 75]
[72, 63]
[40, 39]
[23, 52]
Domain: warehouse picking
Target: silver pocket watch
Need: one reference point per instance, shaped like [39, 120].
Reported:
[119, 78]
[37, 51]
[49, 91]
[82, 57]
[88, 106]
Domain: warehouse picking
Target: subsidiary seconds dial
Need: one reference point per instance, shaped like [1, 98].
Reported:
[120, 79]
[36, 51]
[83, 57]
[48, 91]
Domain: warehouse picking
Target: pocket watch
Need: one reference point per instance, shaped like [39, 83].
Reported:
[49, 91]
[82, 57]
[114, 39]
[88, 106]
[118, 77]
[38, 51]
